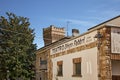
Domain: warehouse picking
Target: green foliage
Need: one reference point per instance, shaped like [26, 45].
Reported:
[16, 48]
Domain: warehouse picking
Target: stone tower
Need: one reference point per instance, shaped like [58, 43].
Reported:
[52, 34]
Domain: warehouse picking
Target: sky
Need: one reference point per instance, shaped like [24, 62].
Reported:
[82, 14]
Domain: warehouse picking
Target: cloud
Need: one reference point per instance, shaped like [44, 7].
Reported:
[91, 19]
[104, 13]
[79, 22]
[111, 12]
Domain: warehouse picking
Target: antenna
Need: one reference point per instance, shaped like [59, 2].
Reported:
[67, 27]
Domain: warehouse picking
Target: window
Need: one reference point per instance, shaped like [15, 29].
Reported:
[60, 68]
[40, 60]
[76, 67]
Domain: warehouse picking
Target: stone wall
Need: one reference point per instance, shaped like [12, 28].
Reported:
[104, 60]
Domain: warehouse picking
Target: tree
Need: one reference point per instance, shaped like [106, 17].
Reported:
[17, 51]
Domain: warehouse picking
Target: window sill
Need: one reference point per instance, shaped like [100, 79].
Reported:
[77, 75]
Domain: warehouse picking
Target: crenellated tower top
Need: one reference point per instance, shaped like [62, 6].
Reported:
[52, 34]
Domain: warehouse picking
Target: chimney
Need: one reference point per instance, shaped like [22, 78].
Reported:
[75, 32]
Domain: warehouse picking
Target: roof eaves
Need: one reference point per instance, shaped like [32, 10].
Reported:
[54, 43]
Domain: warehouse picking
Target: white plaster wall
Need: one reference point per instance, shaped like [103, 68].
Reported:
[89, 65]
[115, 67]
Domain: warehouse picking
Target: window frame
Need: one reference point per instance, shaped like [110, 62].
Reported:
[77, 61]
[60, 68]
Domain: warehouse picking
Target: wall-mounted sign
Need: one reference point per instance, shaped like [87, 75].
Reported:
[82, 40]
[115, 40]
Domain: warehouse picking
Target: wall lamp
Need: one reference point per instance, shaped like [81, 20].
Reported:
[99, 36]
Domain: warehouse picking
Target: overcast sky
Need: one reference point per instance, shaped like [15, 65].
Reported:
[82, 14]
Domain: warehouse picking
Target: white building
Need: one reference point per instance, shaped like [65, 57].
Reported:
[94, 55]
